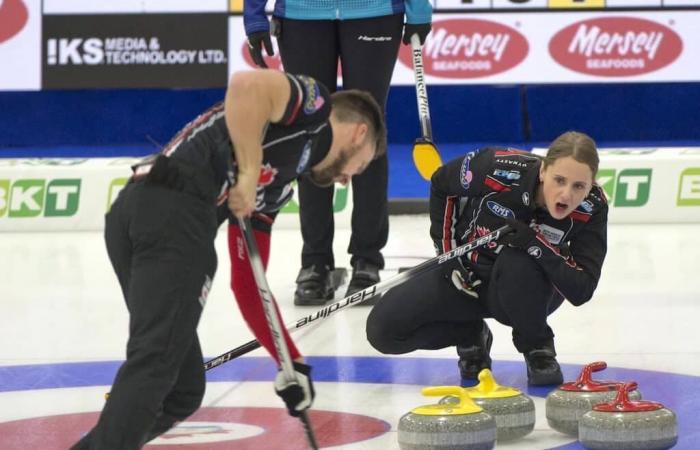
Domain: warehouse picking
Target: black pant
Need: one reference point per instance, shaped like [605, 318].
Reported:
[313, 47]
[161, 244]
[429, 313]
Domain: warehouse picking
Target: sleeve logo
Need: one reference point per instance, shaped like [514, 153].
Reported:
[466, 175]
[314, 100]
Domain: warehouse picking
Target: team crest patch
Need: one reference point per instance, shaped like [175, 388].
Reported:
[587, 206]
[314, 100]
[466, 175]
[510, 175]
[267, 175]
[534, 251]
[500, 210]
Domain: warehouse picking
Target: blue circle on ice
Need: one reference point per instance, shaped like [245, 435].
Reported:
[673, 390]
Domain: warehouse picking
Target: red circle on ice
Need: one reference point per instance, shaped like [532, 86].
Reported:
[207, 429]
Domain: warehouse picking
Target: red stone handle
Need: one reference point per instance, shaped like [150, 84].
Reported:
[586, 383]
[622, 402]
[586, 376]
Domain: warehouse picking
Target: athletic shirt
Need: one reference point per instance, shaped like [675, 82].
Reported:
[470, 197]
[255, 19]
[291, 146]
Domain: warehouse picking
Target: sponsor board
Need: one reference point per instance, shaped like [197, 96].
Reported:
[132, 6]
[627, 187]
[59, 194]
[490, 5]
[570, 4]
[537, 47]
[141, 50]
[635, 3]
[469, 48]
[21, 198]
[461, 4]
[690, 3]
[20, 43]
[689, 187]
[14, 16]
[236, 6]
[70, 194]
[558, 47]
[615, 46]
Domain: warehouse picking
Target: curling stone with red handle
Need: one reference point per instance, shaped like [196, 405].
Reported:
[566, 404]
[623, 424]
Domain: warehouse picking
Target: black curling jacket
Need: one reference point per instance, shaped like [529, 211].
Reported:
[472, 195]
[291, 146]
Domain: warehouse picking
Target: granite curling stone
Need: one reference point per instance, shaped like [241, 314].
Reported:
[624, 424]
[566, 404]
[513, 411]
[461, 426]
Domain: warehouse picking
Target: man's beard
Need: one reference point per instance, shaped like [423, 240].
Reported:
[325, 176]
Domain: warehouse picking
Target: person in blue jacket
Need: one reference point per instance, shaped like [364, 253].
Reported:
[313, 36]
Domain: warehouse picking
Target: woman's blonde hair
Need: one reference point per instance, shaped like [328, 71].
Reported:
[578, 145]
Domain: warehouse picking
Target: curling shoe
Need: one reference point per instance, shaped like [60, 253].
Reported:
[542, 367]
[474, 358]
[314, 286]
[364, 275]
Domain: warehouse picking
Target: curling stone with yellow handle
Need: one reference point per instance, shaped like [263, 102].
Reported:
[624, 424]
[460, 426]
[513, 411]
[569, 402]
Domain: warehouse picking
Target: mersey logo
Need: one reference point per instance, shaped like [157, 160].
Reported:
[13, 17]
[470, 48]
[615, 46]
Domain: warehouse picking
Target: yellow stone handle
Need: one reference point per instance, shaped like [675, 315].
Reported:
[465, 401]
[466, 404]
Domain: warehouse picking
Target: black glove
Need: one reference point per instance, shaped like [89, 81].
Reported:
[421, 29]
[463, 278]
[256, 41]
[297, 395]
[520, 236]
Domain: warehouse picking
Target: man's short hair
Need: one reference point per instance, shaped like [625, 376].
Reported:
[353, 105]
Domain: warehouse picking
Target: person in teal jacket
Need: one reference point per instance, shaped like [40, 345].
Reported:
[313, 37]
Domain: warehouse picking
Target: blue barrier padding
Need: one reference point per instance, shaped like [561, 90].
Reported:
[137, 116]
[108, 123]
[458, 114]
[475, 113]
[640, 112]
[98, 117]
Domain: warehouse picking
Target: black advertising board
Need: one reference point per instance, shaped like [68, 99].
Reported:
[134, 51]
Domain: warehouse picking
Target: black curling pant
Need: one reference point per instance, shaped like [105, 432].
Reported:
[313, 47]
[429, 313]
[161, 245]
